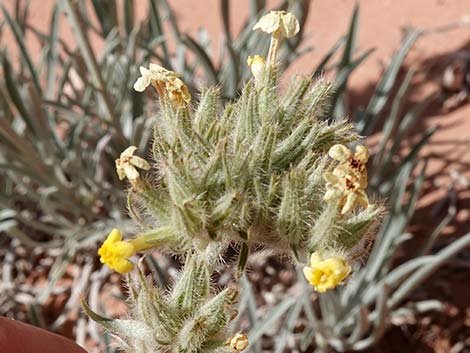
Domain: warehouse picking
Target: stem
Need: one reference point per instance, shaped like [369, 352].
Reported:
[160, 236]
[273, 48]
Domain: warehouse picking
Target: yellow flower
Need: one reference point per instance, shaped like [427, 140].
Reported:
[127, 164]
[166, 82]
[257, 65]
[348, 181]
[278, 24]
[115, 253]
[326, 274]
[239, 342]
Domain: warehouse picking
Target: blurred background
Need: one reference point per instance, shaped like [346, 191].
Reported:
[401, 71]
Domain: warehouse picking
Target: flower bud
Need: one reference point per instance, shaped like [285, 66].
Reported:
[257, 65]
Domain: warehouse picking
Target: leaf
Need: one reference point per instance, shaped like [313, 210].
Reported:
[90, 60]
[106, 13]
[203, 58]
[366, 120]
[128, 10]
[392, 118]
[156, 30]
[351, 38]
[52, 55]
[21, 44]
[242, 258]
[130, 329]
[15, 96]
[320, 69]
[346, 66]
[413, 281]
[271, 320]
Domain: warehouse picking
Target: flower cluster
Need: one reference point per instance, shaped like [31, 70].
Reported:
[348, 181]
[325, 274]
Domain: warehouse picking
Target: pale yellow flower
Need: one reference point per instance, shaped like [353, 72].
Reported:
[279, 24]
[239, 342]
[257, 65]
[127, 164]
[325, 274]
[116, 253]
[348, 181]
[165, 82]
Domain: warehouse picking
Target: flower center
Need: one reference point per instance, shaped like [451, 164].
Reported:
[356, 164]
[349, 184]
[324, 278]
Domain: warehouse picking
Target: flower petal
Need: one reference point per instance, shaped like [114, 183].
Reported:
[340, 153]
[120, 172]
[362, 199]
[361, 154]
[308, 273]
[144, 71]
[157, 68]
[331, 178]
[131, 172]
[315, 259]
[342, 170]
[140, 162]
[114, 236]
[123, 266]
[290, 25]
[129, 151]
[269, 23]
[332, 194]
[349, 204]
[142, 83]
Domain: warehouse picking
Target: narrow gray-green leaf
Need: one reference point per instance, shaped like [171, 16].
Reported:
[19, 39]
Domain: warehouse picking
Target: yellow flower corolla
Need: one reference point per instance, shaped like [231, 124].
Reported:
[257, 65]
[348, 181]
[279, 24]
[166, 82]
[116, 253]
[127, 164]
[325, 274]
[239, 342]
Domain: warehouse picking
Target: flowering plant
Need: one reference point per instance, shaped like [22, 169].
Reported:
[266, 170]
